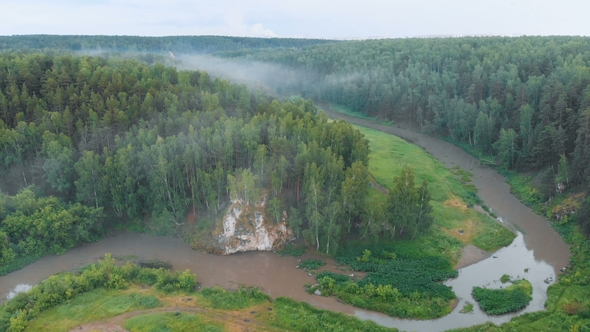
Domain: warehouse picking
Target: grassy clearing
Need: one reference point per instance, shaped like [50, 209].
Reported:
[389, 154]
[349, 112]
[451, 191]
[502, 301]
[101, 304]
[93, 306]
[218, 310]
[173, 322]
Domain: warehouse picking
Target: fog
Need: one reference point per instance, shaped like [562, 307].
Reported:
[273, 79]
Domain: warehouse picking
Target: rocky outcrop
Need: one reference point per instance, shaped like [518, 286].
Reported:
[560, 212]
[246, 227]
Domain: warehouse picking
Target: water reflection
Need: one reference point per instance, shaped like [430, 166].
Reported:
[20, 288]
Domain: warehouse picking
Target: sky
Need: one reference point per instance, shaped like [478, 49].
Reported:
[338, 19]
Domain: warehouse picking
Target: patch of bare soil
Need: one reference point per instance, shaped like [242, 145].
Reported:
[465, 233]
[456, 202]
[471, 255]
[379, 187]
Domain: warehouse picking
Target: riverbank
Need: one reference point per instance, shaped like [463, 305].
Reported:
[109, 297]
[567, 307]
[546, 244]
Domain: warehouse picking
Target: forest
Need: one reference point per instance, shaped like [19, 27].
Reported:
[157, 45]
[520, 103]
[88, 143]
[477, 91]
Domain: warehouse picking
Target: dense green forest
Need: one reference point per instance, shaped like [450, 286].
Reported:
[524, 100]
[523, 103]
[181, 44]
[88, 140]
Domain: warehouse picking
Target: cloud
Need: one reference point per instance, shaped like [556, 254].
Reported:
[288, 18]
[126, 17]
[234, 22]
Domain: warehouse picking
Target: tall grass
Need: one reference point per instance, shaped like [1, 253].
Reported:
[245, 297]
[291, 315]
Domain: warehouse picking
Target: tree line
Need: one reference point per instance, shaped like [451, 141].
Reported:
[180, 44]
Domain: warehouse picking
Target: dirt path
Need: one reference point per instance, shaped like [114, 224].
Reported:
[379, 187]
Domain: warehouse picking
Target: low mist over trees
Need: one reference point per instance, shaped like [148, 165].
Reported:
[524, 101]
[84, 138]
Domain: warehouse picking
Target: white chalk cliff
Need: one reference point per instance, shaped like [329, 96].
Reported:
[247, 227]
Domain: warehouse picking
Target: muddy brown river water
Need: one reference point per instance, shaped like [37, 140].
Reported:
[538, 248]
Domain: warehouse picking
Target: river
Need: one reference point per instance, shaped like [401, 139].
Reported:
[538, 248]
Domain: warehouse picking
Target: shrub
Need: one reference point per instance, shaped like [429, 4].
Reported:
[311, 264]
[147, 276]
[291, 250]
[243, 298]
[501, 301]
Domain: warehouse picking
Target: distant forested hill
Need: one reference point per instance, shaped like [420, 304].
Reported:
[180, 44]
[524, 101]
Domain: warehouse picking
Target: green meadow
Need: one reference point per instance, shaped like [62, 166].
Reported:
[453, 196]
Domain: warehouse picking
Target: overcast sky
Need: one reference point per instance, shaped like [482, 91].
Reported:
[296, 18]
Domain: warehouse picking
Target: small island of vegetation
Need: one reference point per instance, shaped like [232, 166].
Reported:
[501, 301]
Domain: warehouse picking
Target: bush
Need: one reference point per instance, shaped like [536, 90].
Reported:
[501, 301]
[339, 279]
[245, 297]
[311, 264]
[179, 281]
[291, 250]
[147, 276]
